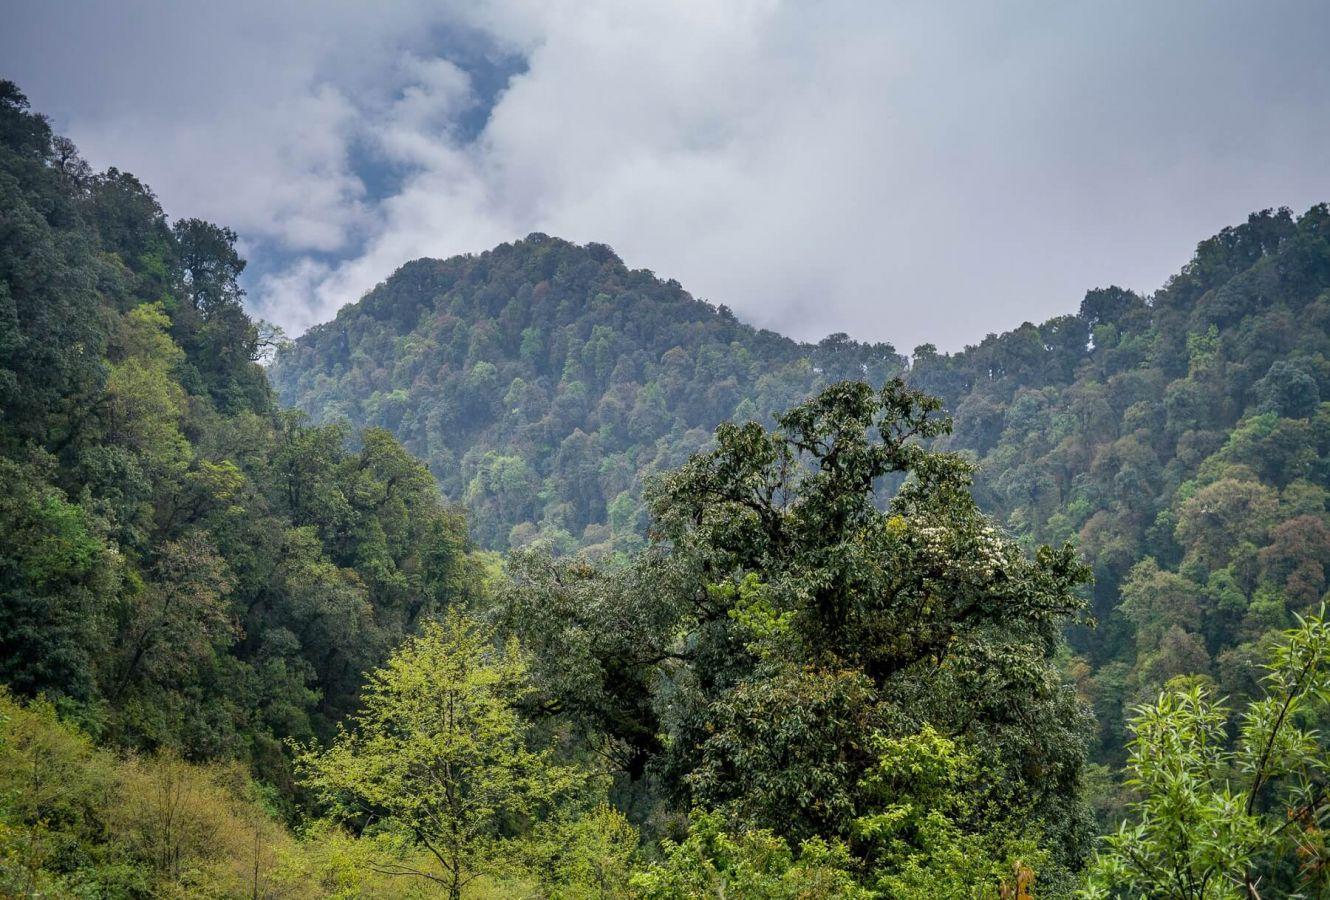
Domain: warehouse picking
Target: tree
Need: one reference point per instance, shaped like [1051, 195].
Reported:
[1228, 818]
[57, 579]
[927, 837]
[787, 747]
[210, 264]
[587, 857]
[1222, 515]
[1109, 305]
[175, 620]
[818, 616]
[145, 403]
[1296, 557]
[51, 784]
[439, 756]
[1155, 601]
[1289, 389]
[596, 635]
[752, 863]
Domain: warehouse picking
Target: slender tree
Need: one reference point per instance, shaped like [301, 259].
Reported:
[1217, 818]
[439, 755]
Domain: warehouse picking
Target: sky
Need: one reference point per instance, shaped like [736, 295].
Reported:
[900, 170]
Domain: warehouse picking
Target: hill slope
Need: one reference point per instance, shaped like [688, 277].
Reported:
[543, 381]
[1185, 448]
[182, 565]
[1180, 439]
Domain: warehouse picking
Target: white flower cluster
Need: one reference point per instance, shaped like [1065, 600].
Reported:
[937, 543]
[994, 551]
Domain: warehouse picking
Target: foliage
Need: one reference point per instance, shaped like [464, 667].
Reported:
[596, 635]
[438, 755]
[545, 382]
[754, 863]
[922, 613]
[78, 821]
[1228, 818]
[583, 857]
[928, 837]
[782, 623]
[182, 565]
[836, 636]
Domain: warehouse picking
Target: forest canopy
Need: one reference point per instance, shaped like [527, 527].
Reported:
[531, 575]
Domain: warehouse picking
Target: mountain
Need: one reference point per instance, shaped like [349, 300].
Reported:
[848, 659]
[1180, 440]
[545, 382]
[242, 655]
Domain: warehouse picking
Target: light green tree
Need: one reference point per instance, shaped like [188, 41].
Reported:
[583, 857]
[751, 863]
[1219, 818]
[439, 757]
[925, 836]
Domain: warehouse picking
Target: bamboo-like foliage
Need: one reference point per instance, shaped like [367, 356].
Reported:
[1218, 815]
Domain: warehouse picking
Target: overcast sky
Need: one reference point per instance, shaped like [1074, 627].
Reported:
[901, 171]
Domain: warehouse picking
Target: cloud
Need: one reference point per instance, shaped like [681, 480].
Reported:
[907, 172]
[284, 178]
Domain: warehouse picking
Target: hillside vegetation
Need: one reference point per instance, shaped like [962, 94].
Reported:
[185, 569]
[544, 382]
[1180, 440]
[822, 641]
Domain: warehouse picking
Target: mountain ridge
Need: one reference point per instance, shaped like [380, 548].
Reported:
[553, 315]
[197, 582]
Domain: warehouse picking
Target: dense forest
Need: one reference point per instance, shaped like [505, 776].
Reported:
[1178, 440]
[743, 617]
[1181, 442]
[544, 383]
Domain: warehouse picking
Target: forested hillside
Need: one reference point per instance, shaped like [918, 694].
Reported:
[185, 569]
[823, 644]
[1179, 439]
[544, 382]
[187, 565]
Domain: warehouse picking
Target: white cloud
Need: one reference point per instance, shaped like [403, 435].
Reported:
[902, 171]
[283, 177]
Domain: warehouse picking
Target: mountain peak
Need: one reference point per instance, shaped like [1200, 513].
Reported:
[544, 359]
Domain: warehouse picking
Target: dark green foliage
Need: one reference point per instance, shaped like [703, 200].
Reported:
[597, 635]
[181, 565]
[1180, 440]
[813, 634]
[783, 624]
[1185, 449]
[545, 382]
[840, 618]
[56, 573]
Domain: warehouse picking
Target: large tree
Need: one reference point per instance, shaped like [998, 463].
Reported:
[789, 617]
[822, 618]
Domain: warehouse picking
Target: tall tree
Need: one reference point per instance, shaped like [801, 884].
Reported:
[822, 618]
